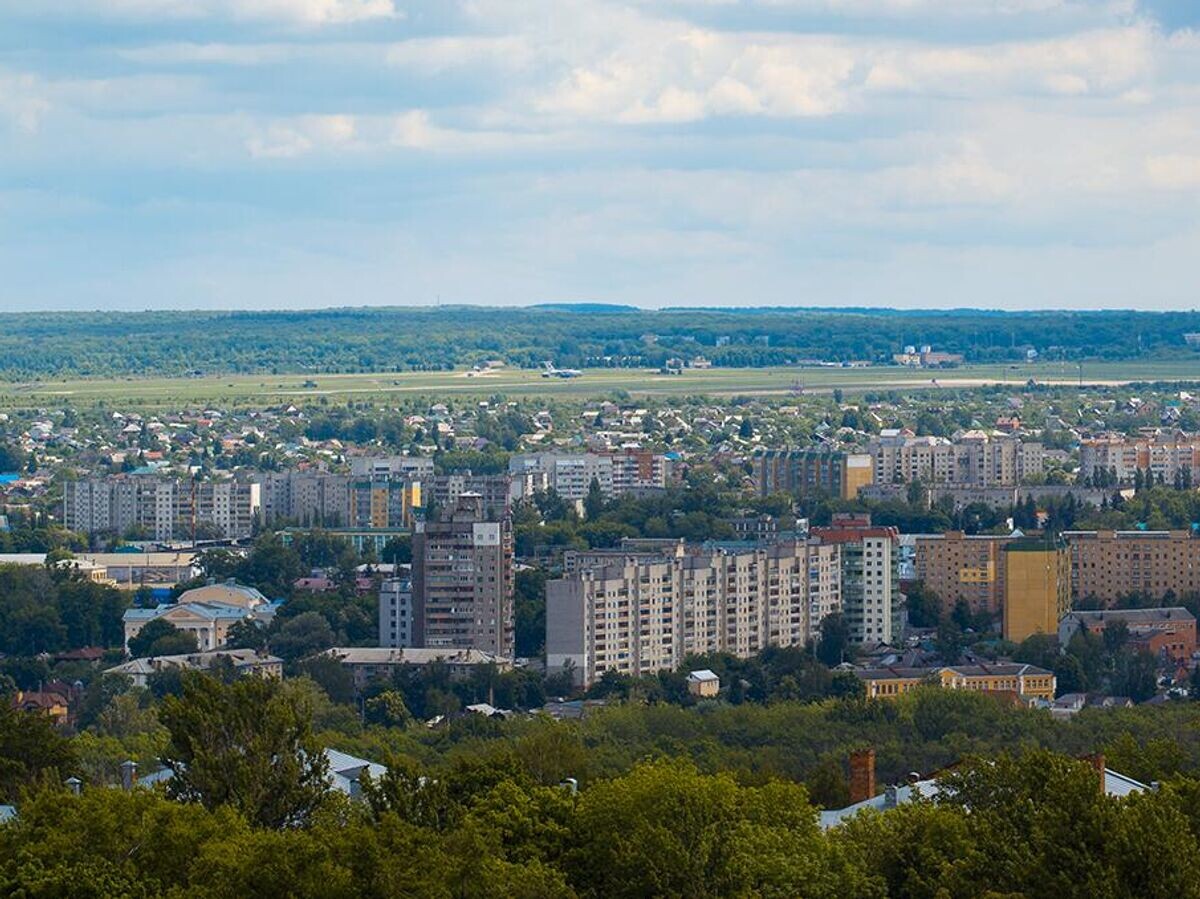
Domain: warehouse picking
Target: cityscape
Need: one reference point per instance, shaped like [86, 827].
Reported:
[599, 449]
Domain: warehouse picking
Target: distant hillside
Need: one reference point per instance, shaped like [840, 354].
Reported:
[39, 345]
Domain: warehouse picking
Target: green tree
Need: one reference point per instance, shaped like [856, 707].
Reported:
[30, 747]
[161, 638]
[302, 636]
[833, 647]
[248, 744]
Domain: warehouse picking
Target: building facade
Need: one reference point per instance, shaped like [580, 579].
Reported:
[1172, 458]
[973, 458]
[1027, 682]
[1106, 565]
[1037, 587]
[957, 567]
[636, 613]
[570, 475]
[870, 559]
[397, 623]
[462, 580]
[164, 509]
[815, 472]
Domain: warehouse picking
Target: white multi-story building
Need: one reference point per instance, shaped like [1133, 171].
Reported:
[870, 558]
[619, 472]
[636, 613]
[413, 468]
[396, 622]
[164, 508]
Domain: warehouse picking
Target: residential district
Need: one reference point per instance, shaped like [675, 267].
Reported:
[494, 561]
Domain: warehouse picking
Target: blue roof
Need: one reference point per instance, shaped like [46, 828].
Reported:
[7, 813]
[7, 478]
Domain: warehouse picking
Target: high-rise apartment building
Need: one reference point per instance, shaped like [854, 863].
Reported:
[1115, 459]
[382, 502]
[404, 468]
[307, 497]
[164, 509]
[462, 580]
[1037, 586]
[956, 566]
[973, 458]
[1106, 565]
[870, 558]
[812, 472]
[397, 623]
[570, 475]
[637, 612]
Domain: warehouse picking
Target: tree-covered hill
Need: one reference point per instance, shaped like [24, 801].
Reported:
[95, 344]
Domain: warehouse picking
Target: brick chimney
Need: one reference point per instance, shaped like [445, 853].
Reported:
[1097, 760]
[862, 775]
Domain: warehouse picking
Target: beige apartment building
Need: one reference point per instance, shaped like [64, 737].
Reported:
[956, 566]
[639, 613]
[1109, 564]
[1162, 454]
[973, 458]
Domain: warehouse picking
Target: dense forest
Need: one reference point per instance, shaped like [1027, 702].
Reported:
[636, 801]
[94, 344]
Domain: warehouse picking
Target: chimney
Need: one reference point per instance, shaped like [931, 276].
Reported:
[891, 796]
[1097, 760]
[862, 775]
[128, 774]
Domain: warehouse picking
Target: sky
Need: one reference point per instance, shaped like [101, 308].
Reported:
[241, 154]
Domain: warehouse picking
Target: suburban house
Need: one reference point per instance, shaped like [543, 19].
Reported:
[703, 683]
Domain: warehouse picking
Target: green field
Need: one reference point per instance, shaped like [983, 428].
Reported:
[269, 389]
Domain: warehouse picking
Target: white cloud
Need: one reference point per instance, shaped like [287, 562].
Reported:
[1175, 171]
[23, 102]
[301, 12]
[287, 140]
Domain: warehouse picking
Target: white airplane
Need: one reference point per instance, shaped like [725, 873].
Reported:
[549, 371]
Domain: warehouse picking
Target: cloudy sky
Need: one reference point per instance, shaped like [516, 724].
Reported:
[295, 153]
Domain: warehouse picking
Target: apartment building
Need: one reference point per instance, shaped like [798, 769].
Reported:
[382, 502]
[973, 458]
[402, 468]
[397, 623]
[1037, 586]
[870, 559]
[1106, 565]
[812, 472]
[308, 498]
[498, 491]
[957, 566]
[639, 612]
[165, 509]
[462, 580]
[1167, 456]
[617, 473]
